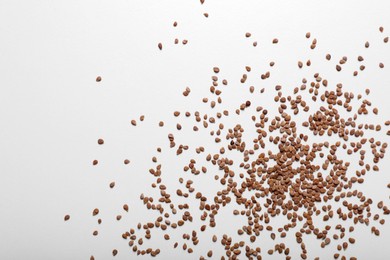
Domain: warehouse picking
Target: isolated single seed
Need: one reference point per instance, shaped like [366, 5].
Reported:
[67, 217]
[112, 184]
[133, 122]
[247, 35]
[206, 15]
[126, 207]
[114, 252]
[98, 79]
[274, 41]
[160, 46]
[95, 162]
[216, 69]
[100, 141]
[126, 161]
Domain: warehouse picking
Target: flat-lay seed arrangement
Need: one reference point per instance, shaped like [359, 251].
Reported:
[283, 172]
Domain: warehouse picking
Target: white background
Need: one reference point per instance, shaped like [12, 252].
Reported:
[52, 111]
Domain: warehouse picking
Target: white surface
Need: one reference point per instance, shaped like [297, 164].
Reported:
[52, 111]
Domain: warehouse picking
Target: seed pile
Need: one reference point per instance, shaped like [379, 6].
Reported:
[283, 172]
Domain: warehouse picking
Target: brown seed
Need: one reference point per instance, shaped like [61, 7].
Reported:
[381, 29]
[160, 46]
[216, 70]
[210, 253]
[126, 161]
[274, 41]
[161, 124]
[114, 252]
[100, 141]
[367, 44]
[206, 15]
[126, 207]
[174, 24]
[386, 40]
[133, 122]
[381, 65]
[67, 217]
[112, 184]
[95, 233]
[95, 212]
[308, 35]
[98, 79]
[247, 35]
[95, 162]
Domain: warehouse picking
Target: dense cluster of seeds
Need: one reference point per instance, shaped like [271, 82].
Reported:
[281, 172]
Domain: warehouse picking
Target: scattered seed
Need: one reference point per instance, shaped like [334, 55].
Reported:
[95, 212]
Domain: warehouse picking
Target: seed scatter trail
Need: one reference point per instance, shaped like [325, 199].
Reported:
[313, 148]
